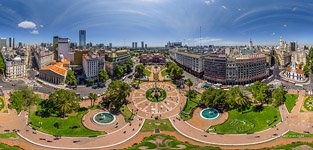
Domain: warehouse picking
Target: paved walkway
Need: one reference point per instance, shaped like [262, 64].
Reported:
[294, 121]
[170, 106]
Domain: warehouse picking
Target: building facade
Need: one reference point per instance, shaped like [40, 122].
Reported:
[114, 57]
[152, 58]
[237, 69]
[56, 72]
[92, 64]
[43, 56]
[15, 65]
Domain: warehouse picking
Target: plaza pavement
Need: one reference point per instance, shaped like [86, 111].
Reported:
[294, 121]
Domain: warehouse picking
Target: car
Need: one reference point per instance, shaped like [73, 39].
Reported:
[124, 78]
[98, 95]
[95, 86]
[101, 85]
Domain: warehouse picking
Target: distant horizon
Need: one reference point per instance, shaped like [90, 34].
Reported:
[222, 22]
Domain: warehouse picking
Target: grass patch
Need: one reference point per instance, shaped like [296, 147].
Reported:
[126, 113]
[165, 72]
[164, 142]
[292, 134]
[291, 146]
[308, 104]
[1, 103]
[150, 97]
[163, 125]
[7, 147]
[8, 135]
[189, 107]
[249, 121]
[146, 72]
[71, 126]
[290, 101]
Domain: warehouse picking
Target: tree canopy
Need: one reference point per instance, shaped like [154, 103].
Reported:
[71, 78]
[259, 92]
[278, 97]
[139, 70]
[103, 76]
[115, 95]
[23, 98]
[64, 102]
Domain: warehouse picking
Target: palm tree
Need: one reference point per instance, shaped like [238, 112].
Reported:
[189, 84]
[93, 98]
[64, 106]
[241, 101]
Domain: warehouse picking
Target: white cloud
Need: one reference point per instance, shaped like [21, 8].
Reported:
[224, 7]
[209, 2]
[35, 32]
[285, 25]
[41, 26]
[273, 34]
[27, 25]
[239, 9]
[294, 9]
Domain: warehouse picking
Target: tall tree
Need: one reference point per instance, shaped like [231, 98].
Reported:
[278, 96]
[71, 78]
[103, 76]
[116, 94]
[64, 101]
[189, 84]
[93, 98]
[236, 99]
[139, 70]
[259, 92]
[118, 71]
[23, 98]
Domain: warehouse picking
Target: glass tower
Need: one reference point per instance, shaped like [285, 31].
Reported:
[82, 38]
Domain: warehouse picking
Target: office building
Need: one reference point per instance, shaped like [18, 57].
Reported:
[56, 47]
[82, 38]
[293, 46]
[283, 53]
[43, 56]
[155, 58]
[64, 47]
[235, 69]
[3, 43]
[146, 46]
[91, 65]
[142, 45]
[136, 45]
[114, 57]
[11, 42]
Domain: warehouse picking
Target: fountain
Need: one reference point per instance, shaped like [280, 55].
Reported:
[209, 113]
[104, 118]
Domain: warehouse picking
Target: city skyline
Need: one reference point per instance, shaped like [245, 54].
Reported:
[156, 22]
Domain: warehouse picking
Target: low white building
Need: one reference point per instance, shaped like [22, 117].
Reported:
[91, 65]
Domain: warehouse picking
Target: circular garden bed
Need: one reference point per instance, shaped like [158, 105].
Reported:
[150, 95]
[308, 104]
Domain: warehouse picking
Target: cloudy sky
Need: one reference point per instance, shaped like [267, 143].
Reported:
[223, 22]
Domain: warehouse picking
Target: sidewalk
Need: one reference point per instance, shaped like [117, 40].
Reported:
[49, 84]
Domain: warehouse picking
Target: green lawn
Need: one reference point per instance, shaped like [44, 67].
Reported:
[7, 147]
[248, 122]
[163, 125]
[190, 105]
[292, 146]
[165, 142]
[146, 72]
[164, 72]
[291, 134]
[71, 126]
[1, 103]
[290, 101]
[126, 113]
[8, 135]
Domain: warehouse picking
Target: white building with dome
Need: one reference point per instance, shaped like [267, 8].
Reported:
[294, 72]
[15, 65]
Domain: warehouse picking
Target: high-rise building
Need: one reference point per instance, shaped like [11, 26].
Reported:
[82, 38]
[293, 46]
[56, 47]
[136, 45]
[142, 45]
[110, 45]
[250, 44]
[11, 42]
[64, 47]
[133, 45]
[146, 46]
[3, 43]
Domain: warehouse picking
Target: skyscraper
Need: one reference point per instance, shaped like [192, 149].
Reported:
[110, 45]
[136, 45]
[3, 43]
[82, 38]
[11, 42]
[133, 45]
[56, 47]
[293, 46]
[142, 45]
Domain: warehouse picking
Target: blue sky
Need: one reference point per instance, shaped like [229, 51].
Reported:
[223, 22]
